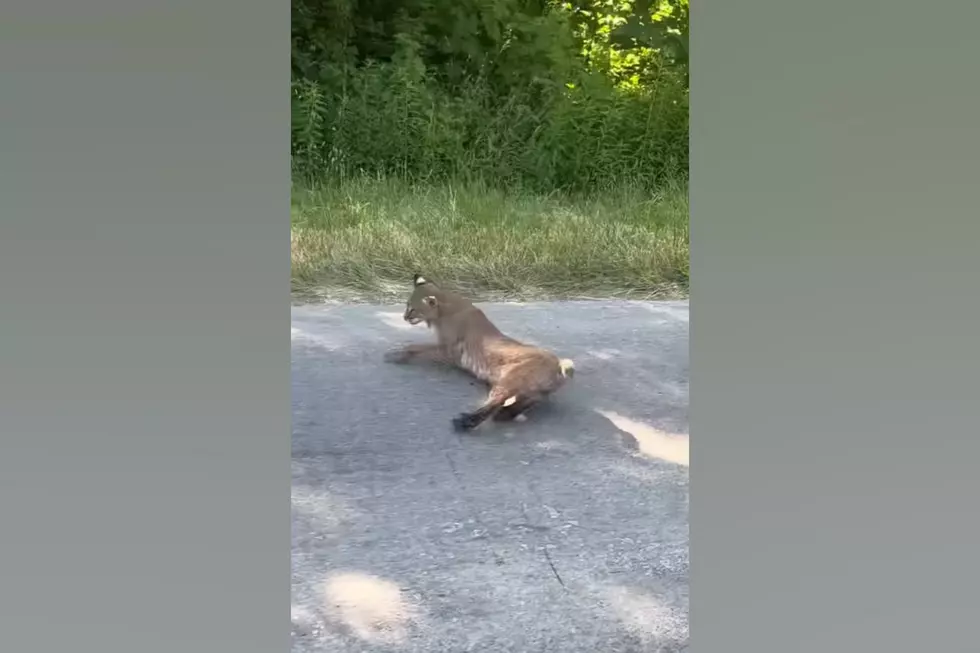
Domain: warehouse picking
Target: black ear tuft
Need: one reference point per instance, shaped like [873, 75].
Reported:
[419, 280]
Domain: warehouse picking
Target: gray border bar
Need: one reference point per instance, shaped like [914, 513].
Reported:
[834, 235]
[145, 360]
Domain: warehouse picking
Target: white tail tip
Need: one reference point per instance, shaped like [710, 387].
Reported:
[567, 367]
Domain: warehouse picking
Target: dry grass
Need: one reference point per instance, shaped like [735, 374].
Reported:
[364, 238]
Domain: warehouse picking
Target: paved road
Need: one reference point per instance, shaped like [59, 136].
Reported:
[567, 533]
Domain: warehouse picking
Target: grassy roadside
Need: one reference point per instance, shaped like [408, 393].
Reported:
[362, 239]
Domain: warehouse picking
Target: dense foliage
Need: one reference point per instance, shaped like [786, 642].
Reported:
[546, 95]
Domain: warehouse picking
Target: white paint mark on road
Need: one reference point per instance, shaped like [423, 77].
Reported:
[372, 607]
[653, 443]
[313, 339]
[646, 615]
[605, 354]
[394, 320]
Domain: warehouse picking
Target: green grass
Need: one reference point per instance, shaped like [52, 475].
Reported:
[364, 238]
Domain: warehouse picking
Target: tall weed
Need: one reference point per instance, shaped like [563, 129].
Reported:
[398, 118]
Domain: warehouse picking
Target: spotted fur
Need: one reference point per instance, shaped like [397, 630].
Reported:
[519, 375]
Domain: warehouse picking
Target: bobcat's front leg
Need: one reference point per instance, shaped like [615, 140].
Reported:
[417, 353]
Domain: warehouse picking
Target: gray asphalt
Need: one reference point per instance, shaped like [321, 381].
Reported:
[565, 533]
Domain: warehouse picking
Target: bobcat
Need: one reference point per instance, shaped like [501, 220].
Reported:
[519, 375]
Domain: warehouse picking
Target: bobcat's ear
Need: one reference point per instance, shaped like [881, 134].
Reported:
[419, 280]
